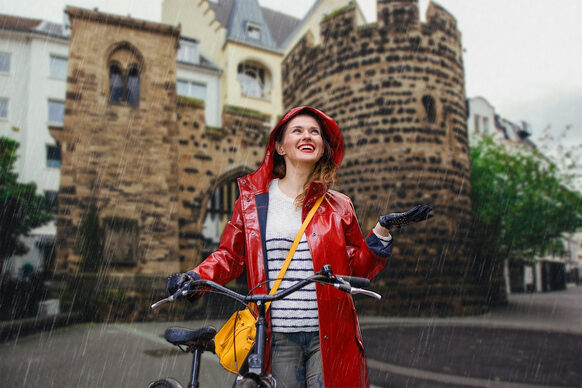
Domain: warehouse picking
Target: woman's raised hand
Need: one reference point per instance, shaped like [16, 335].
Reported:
[416, 214]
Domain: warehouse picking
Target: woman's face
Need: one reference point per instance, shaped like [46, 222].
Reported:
[302, 141]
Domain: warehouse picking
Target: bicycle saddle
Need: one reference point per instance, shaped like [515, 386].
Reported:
[201, 338]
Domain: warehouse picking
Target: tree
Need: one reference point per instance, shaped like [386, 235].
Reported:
[522, 205]
[21, 209]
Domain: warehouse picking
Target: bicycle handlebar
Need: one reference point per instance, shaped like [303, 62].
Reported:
[349, 284]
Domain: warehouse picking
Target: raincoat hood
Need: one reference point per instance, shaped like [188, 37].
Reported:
[265, 171]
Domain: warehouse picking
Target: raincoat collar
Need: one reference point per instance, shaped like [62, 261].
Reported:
[258, 181]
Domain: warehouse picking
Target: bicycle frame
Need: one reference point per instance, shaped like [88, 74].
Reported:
[255, 360]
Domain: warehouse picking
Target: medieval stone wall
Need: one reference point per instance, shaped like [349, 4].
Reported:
[396, 89]
[209, 157]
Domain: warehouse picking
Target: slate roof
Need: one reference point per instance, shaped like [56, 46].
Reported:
[233, 15]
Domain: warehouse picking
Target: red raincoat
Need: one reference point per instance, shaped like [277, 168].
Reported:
[334, 237]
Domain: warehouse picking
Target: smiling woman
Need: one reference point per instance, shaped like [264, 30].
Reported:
[310, 338]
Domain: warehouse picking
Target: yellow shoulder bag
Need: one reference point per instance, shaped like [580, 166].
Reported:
[234, 340]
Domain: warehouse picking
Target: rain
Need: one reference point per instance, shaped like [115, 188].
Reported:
[124, 128]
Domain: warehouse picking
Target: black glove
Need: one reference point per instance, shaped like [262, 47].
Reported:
[176, 281]
[416, 214]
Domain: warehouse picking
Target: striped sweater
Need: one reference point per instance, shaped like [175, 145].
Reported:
[297, 312]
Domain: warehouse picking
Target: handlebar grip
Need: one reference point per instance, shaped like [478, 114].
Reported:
[356, 281]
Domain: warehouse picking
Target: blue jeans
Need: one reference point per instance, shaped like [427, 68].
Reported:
[296, 360]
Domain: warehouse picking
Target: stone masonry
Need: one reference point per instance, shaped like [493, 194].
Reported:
[146, 171]
[396, 89]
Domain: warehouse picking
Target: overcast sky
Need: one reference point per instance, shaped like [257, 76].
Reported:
[523, 56]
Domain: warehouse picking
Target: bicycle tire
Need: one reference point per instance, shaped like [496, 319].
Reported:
[247, 383]
[167, 382]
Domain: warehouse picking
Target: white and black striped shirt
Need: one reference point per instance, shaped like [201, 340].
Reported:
[297, 312]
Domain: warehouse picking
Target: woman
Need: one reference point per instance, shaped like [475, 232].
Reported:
[314, 335]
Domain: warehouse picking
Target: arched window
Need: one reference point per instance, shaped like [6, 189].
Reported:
[254, 79]
[125, 65]
[429, 107]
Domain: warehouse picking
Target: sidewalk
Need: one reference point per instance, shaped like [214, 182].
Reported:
[536, 341]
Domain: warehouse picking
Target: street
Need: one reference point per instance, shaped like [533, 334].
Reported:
[535, 341]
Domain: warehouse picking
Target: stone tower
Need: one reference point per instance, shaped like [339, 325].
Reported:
[396, 89]
[120, 118]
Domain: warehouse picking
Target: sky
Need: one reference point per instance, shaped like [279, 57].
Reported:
[523, 56]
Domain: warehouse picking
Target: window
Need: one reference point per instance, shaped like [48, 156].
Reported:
[125, 75]
[188, 52]
[115, 83]
[4, 63]
[428, 103]
[477, 122]
[58, 67]
[133, 86]
[253, 31]
[53, 156]
[3, 108]
[253, 79]
[121, 240]
[485, 124]
[218, 212]
[56, 112]
[191, 89]
[52, 198]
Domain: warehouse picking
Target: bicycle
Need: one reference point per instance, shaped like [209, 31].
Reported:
[201, 340]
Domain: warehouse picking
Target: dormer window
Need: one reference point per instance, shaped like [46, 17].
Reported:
[253, 31]
[188, 52]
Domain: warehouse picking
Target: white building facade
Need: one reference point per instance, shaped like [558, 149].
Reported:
[33, 54]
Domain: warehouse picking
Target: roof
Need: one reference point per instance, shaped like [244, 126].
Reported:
[19, 23]
[233, 15]
[122, 21]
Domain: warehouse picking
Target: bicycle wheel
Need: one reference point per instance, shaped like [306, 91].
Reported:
[167, 382]
[254, 382]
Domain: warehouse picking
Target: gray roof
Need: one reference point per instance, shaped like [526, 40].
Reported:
[234, 14]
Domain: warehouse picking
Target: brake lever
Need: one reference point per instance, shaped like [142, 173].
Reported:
[366, 292]
[181, 293]
[345, 286]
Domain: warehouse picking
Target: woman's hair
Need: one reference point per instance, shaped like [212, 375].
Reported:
[324, 171]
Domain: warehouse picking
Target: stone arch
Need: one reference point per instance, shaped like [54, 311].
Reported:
[217, 204]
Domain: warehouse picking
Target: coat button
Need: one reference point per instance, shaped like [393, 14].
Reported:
[325, 337]
[248, 199]
[253, 234]
[314, 234]
[244, 181]
[308, 205]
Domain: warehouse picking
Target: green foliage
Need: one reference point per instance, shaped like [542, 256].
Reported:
[522, 204]
[21, 209]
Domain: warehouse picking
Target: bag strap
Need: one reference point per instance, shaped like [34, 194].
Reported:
[294, 247]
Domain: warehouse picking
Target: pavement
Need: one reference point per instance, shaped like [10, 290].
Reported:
[535, 341]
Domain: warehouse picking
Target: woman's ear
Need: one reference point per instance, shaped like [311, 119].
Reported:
[279, 149]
